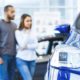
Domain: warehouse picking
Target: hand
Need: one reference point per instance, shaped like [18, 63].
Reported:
[1, 61]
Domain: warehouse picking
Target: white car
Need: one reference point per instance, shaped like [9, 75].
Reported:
[65, 64]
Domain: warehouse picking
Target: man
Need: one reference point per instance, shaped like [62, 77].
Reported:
[7, 44]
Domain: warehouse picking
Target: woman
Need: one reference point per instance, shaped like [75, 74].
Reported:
[74, 38]
[26, 46]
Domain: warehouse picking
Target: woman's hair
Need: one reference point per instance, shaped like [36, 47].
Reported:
[21, 25]
[77, 22]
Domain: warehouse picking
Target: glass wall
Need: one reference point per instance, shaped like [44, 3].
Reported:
[67, 8]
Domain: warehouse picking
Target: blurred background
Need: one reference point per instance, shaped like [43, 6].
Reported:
[66, 9]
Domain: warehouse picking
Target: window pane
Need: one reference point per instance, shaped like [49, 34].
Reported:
[57, 2]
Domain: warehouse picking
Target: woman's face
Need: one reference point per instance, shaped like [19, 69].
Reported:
[28, 22]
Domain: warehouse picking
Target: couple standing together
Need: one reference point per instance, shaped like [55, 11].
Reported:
[17, 46]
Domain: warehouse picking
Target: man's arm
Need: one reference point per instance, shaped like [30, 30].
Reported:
[1, 60]
[0, 41]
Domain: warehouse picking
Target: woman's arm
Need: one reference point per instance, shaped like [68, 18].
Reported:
[34, 41]
[33, 45]
[22, 41]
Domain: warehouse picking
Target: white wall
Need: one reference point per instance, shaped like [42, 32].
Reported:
[67, 8]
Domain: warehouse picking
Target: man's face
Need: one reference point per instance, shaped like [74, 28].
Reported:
[10, 13]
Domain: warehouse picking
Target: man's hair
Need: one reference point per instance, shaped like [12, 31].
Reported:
[7, 7]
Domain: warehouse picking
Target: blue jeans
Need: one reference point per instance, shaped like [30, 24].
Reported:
[26, 68]
[7, 69]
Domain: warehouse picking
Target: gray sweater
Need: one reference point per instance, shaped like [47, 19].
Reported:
[7, 38]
